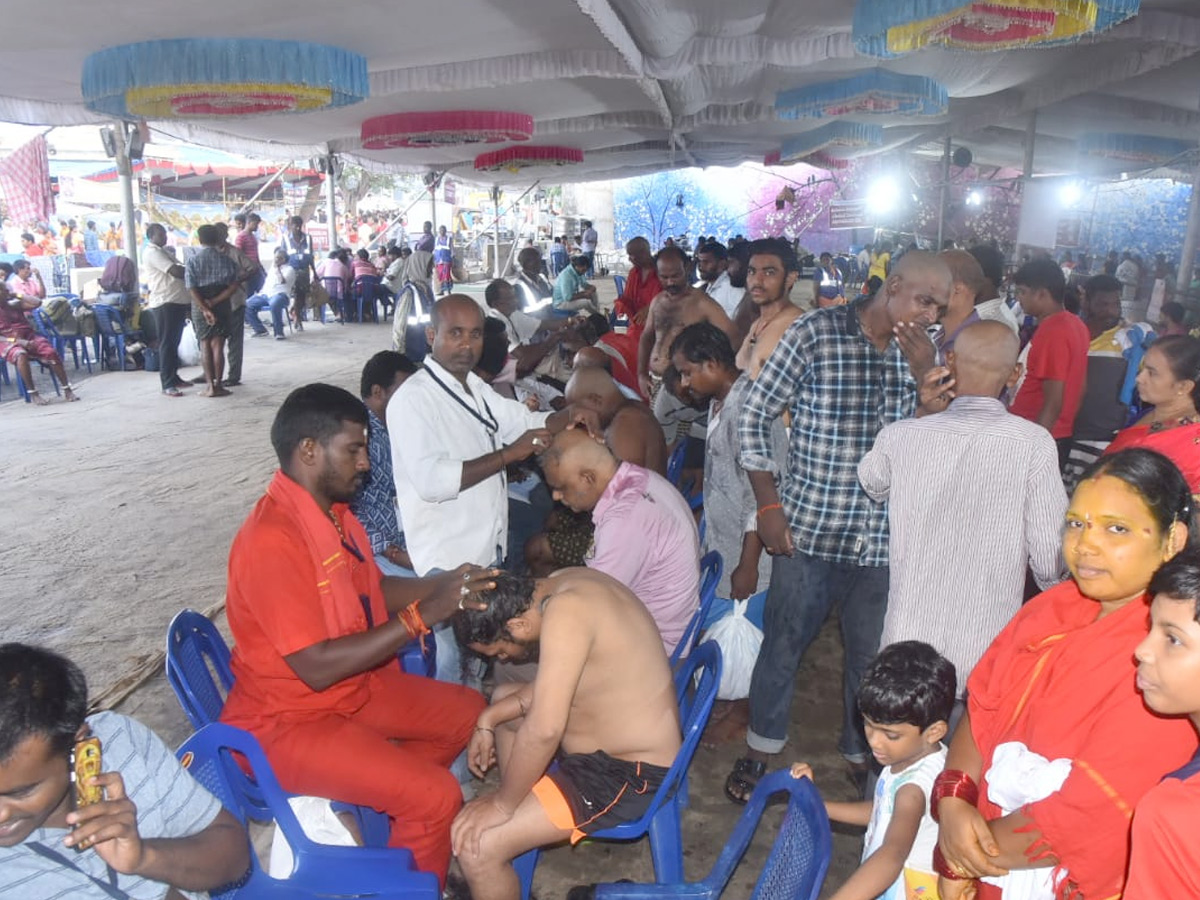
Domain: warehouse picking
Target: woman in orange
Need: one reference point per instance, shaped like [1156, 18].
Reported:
[1170, 380]
[1056, 747]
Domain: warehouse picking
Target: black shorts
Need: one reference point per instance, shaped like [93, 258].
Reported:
[588, 792]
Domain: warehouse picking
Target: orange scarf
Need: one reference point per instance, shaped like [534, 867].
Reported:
[1062, 683]
[334, 562]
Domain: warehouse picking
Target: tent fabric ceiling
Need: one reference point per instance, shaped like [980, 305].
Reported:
[639, 85]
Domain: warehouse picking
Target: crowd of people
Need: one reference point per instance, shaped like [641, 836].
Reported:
[998, 503]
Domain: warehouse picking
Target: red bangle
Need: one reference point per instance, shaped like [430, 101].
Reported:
[952, 783]
[943, 868]
[413, 623]
[769, 506]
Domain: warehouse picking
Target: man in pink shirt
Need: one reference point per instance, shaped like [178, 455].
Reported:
[26, 282]
[645, 536]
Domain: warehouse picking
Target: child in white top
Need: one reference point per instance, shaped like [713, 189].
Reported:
[905, 697]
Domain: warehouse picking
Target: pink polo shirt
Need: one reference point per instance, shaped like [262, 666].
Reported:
[646, 539]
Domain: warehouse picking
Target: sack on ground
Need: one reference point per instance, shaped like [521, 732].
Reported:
[740, 641]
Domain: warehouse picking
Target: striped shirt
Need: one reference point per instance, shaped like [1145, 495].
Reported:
[170, 804]
[840, 390]
[973, 495]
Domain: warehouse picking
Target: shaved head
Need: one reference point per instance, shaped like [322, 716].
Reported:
[592, 358]
[578, 469]
[458, 302]
[918, 263]
[984, 358]
[593, 388]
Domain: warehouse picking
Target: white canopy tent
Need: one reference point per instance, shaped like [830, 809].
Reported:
[639, 85]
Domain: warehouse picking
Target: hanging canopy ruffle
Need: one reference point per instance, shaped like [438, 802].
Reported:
[835, 134]
[440, 129]
[886, 28]
[514, 159]
[876, 91]
[1137, 148]
[217, 78]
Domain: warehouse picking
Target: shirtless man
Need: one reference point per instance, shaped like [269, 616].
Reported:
[630, 429]
[678, 306]
[603, 696]
[770, 275]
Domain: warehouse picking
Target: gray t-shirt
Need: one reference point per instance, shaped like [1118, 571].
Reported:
[170, 804]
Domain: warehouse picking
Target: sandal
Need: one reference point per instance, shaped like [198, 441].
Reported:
[744, 779]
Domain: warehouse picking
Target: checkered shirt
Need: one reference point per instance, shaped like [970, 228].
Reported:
[209, 267]
[840, 391]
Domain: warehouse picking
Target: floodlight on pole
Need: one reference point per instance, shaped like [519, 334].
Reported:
[884, 195]
[975, 198]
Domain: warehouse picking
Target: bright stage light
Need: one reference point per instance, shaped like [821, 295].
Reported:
[884, 195]
[1070, 194]
[975, 198]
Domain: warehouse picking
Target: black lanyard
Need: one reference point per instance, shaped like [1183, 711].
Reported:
[489, 423]
[109, 887]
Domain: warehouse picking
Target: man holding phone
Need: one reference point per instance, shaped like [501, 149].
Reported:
[154, 833]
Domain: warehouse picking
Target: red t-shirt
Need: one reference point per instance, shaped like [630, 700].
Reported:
[274, 610]
[1058, 352]
[1166, 858]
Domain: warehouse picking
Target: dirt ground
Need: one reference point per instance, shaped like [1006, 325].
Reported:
[120, 510]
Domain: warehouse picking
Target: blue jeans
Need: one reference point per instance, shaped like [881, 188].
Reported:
[803, 590]
[277, 303]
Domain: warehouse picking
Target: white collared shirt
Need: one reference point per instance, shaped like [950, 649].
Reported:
[164, 287]
[432, 435]
[725, 293]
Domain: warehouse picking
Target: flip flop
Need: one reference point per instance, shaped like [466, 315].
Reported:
[744, 779]
[173, 392]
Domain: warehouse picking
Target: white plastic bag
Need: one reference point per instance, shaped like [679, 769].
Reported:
[189, 347]
[320, 824]
[739, 640]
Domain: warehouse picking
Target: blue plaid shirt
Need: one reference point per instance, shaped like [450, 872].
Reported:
[840, 391]
[375, 504]
[207, 268]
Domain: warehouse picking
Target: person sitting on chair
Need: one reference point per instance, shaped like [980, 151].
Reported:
[153, 831]
[18, 341]
[603, 701]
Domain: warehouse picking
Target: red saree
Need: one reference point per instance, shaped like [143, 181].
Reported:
[1181, 445]
[1062, 682]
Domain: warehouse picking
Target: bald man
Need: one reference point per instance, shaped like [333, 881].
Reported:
[974, 496]
[645, 536]
[630, 429]
[967, 280]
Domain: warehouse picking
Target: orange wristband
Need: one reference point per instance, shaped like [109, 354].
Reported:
[768, 507]
[413, 623]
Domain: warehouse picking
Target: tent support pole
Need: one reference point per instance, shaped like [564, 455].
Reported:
[330, 203]
[496, 233]
[1187, 261]
[942, 193]
[270, 181]
[128, 200]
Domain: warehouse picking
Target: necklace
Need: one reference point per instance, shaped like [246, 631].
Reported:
[337, 525]
[1169, 423]
[761, 325]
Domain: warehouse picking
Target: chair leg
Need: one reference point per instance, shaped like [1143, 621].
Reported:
[524, 866]
[666, 844]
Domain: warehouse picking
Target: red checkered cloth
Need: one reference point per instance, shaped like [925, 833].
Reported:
[25, 183]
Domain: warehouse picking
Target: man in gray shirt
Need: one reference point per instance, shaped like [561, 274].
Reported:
[155, 832]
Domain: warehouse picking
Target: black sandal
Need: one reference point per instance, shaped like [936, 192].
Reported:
[744, 779]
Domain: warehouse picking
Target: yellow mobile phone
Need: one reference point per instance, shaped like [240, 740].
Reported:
[85, 764]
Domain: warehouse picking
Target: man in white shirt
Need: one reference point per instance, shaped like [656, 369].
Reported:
[276, 292]
[452, 439]
[170, 304]
[530, 339]
[588, 242]
[712, 261]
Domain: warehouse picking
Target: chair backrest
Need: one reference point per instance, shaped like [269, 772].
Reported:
[109, 320]
[198, 667]
[335, 286]
[619, 284]
[45, 325]
[711, 567]
[799, 859]
[675, 463]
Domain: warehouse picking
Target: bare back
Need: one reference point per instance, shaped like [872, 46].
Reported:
[624, 701]
[634, 436]
[670, 315]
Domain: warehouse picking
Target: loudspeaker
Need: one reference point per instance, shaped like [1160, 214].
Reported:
[962, 157]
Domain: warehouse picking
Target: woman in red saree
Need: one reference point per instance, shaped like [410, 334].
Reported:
[1170, 380]
[1056, 747]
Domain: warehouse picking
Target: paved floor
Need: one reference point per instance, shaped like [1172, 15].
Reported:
[120, 509]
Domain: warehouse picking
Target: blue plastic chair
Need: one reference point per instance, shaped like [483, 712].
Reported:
[795, 868]
[110, 326]
[368, 291]
[696, 684]
[339, 299]
[711, 567]
[46, 327]
[199, 673]
[230, 763]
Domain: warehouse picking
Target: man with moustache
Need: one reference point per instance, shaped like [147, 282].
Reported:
[771, 273]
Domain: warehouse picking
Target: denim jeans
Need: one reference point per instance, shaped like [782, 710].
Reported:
[803, 590]
[277, 303]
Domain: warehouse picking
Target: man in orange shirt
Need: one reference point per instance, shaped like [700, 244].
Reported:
[317, 628]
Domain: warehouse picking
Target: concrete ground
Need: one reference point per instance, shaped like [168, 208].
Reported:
[120, 510]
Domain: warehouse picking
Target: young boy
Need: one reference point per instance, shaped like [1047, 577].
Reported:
[905, 697]
[1165, 860]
